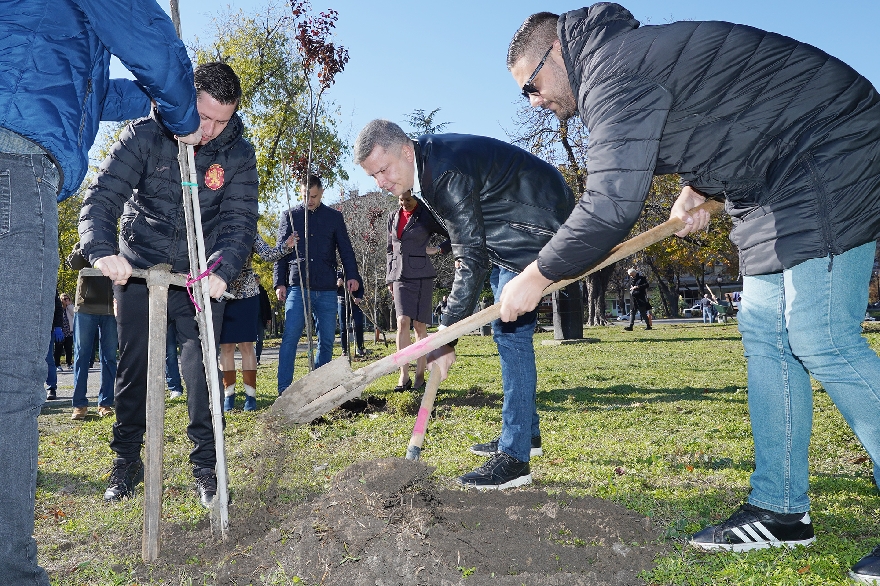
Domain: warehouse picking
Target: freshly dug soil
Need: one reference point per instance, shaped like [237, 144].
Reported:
[386, 522]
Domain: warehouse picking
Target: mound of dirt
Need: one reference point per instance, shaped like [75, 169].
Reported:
[386, 522]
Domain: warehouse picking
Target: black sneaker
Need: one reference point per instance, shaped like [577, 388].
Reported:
[499, 472]
[50, 395]
[123, 478]
[754, 528]
[867, 571]
[206, 484]
[491, 448]
[628, 328]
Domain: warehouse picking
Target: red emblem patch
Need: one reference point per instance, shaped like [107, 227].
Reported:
[214, 177]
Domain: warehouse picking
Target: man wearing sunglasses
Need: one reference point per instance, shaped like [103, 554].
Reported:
[789, 137]
[500, 205]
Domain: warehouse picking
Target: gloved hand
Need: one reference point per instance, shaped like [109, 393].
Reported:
[58, 334]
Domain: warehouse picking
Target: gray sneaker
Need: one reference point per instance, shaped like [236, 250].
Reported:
[491, 448]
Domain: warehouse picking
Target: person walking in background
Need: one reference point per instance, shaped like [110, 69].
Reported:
[94, 316]
[264, 319]
[789, 138]
[410, 276]
[441, 307]
[65, 346]
[140, 179]
[55, 87]
[706, 308]
[638, 291]
[240, 327]
[355, 317]
[327, 236]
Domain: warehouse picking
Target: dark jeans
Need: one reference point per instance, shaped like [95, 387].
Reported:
[64, 347]
[29, 265]
[131, 376]
[172, 369]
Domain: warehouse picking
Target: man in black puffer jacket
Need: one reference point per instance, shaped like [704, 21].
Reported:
[789, 137]
[141, 181]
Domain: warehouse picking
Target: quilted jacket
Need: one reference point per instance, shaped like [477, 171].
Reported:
[788, 135]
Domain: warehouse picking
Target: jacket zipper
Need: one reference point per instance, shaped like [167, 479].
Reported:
[531, 228]
[82, 121]
[823, 209]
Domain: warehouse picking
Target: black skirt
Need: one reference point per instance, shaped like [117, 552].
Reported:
[240, 320]
[412, 298]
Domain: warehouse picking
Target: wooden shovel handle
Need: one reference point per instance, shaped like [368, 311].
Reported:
[493, 312]
[414, 450]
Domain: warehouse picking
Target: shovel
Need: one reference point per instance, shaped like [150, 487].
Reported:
[335, 383]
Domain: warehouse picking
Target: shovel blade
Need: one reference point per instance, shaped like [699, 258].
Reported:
[318, 392]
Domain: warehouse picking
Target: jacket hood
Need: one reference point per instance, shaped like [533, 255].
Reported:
[583, 31]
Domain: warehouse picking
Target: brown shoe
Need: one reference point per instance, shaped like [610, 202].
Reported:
[105, 411]
[79, 413]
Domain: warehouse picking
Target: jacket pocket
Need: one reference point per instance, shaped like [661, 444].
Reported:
[417, 262]
[531, 229]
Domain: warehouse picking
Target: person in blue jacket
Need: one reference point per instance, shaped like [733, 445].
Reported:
[55, 88]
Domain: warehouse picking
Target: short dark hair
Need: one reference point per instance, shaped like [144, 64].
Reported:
[534, 37]
[219, 81]
[313, 181]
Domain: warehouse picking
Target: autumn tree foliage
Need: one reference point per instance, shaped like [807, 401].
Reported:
[276, 53]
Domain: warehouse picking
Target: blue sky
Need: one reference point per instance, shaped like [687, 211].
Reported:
[450, 54]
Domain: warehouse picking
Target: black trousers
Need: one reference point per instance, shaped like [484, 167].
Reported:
[132, 319]
[641, 305]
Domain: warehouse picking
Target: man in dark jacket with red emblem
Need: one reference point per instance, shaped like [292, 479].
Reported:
[140, 180]
[789, 137]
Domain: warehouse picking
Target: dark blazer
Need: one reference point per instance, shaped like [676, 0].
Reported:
[327, 235]
[406, 256]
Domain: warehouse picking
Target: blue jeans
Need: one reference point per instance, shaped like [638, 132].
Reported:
[85, 326]
[324, 310]
[29, 265]
[172, 368]
[519, 375]
[806, 320]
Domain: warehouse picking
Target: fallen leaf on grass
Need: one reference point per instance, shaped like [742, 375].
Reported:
[804, 570]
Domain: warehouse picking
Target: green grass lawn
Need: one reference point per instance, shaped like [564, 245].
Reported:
[655, 421]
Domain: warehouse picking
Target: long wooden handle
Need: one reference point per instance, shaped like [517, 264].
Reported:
[414, 450]
[493, 312]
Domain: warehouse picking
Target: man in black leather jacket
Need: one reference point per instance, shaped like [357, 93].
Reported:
[500, 205]
[789, 137]
[141, 180]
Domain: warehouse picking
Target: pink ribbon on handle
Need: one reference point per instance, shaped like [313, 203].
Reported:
[190, 280]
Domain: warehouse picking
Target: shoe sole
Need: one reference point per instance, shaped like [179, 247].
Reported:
[862, 579]
[520, 481]
[534, 452]
[741, 547]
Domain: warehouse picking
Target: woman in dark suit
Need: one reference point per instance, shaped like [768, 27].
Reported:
[410, 275]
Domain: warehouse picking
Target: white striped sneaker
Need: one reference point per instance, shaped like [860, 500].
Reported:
[751, 528]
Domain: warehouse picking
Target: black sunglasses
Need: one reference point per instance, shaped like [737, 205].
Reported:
[527, 87]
